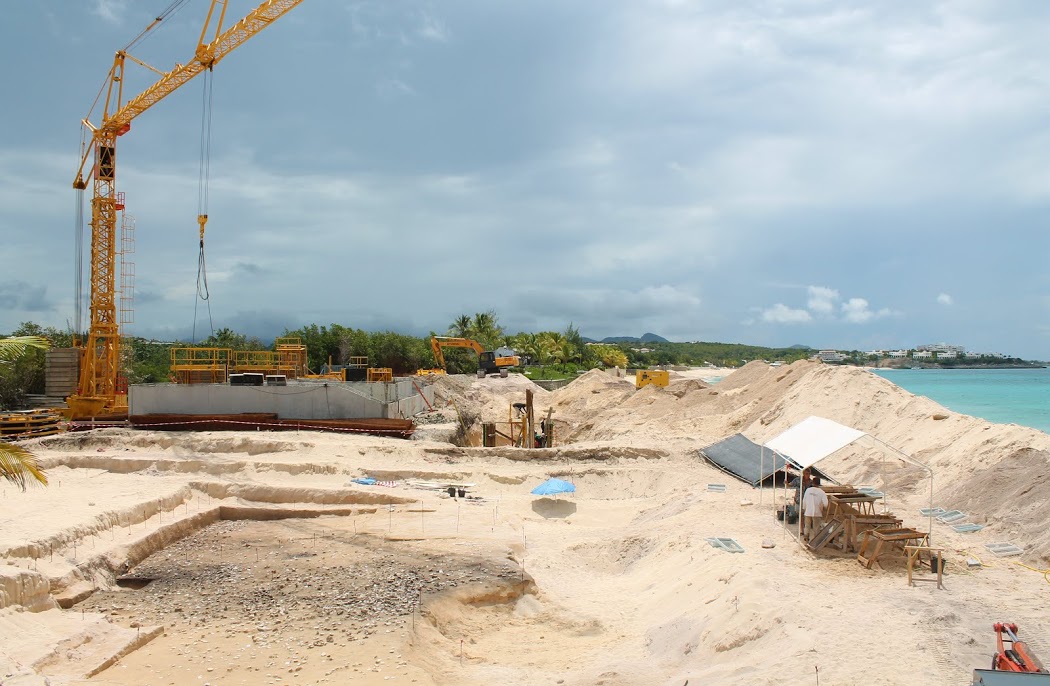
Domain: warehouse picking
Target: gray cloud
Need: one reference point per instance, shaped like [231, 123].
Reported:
[627, 166]
[25, 297]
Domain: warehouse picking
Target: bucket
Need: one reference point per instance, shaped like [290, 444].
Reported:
[933, 565]
[780, 515]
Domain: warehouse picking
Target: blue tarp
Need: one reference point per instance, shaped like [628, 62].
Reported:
[553, 487]
[742, 458]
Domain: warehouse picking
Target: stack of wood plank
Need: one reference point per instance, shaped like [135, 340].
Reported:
[29, 424]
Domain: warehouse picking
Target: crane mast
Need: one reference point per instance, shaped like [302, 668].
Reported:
[98, 392]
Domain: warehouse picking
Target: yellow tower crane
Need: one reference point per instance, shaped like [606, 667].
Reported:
[99, 392]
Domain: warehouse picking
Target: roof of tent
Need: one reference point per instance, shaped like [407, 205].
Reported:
[742, 458]
[813, 439]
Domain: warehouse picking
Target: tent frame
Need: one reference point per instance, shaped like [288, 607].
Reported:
[797, 464]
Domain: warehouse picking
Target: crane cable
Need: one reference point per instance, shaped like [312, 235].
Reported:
[202, 203]
[169, 12]
[78, 243]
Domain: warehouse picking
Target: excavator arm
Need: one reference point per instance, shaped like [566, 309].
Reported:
[487, 361]
[97, 393]
[439, 342]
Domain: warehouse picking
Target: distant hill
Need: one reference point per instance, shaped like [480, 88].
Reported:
[645, 338]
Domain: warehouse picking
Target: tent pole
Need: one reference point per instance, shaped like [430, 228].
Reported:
[929, 533]
[929, 470]
[761, 472]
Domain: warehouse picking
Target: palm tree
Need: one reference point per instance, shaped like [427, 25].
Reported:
[547, 345]
[487, 330]
[17, 464]
[461, 328]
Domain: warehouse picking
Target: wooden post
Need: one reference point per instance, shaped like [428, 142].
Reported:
[530, 422]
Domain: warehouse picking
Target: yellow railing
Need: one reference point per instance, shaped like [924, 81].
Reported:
[377, 374]
[200, 365]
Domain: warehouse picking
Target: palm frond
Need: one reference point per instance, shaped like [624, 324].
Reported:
[16, 346]
[19, 466]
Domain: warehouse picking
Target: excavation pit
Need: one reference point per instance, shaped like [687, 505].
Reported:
[303, 582]
[134, 582]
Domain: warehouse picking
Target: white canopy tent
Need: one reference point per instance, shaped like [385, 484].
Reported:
[815, 438]
[811, 440]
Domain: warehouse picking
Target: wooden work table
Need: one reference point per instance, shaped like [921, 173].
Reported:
[849, 514]
[858, 503]
[879, 542]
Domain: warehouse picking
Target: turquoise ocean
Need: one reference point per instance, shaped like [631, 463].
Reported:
[1003, 396]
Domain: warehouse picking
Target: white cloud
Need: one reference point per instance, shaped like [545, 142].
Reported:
[821, 299]
[945, 299]
[391, 87]
[110, 10]
[858, 311]
[432, 28]
[822, 303]
[782, 314]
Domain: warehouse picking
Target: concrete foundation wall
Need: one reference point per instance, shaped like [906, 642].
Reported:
[397, 400]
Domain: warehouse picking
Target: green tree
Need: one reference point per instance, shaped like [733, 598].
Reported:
[566, 352]
[609, 355]
[486, 330]
[463, 327]
[150, 360]
[22, 371]
[320, 342]
[548, 345]
[227, 338]
[403, 354]
[526, 345]
[18, 465]
[575, 342]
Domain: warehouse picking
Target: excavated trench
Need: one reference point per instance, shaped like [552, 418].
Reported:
[206, 549]
[292, 573]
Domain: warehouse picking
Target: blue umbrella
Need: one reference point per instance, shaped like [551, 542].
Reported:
[553, 487]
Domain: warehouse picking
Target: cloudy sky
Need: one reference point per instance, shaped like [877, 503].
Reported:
[841, 175]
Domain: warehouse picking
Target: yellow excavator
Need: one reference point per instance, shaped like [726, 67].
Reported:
[497, 361]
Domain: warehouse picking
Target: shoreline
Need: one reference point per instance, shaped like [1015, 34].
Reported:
[960, 366]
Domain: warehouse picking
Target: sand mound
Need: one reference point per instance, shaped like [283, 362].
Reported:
[615, 556]
[614, 585]
[489, 398]
[991, 471]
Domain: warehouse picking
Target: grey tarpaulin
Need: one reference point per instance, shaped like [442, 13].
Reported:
[739, 456]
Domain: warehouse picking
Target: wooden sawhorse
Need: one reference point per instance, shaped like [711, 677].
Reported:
[914, 553]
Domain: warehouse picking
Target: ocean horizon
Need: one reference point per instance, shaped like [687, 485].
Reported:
[1003, 396]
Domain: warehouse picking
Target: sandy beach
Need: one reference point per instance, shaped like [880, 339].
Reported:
[259, 561]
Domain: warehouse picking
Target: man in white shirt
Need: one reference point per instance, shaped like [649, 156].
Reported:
[814, 502]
